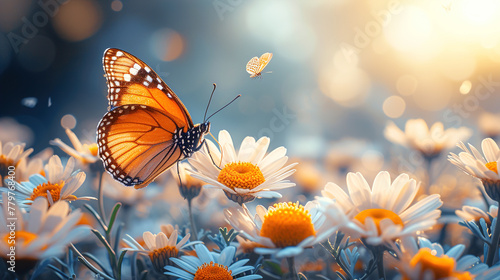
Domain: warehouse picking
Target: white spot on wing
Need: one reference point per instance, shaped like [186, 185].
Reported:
[127, 77]
[133, 71]
[119, 53]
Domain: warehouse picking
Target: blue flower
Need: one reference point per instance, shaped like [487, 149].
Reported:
[211, 265]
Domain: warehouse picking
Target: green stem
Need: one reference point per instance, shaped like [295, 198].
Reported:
[485, 196]
[492, 251]
[191, 220]
[291, 268]
[428, 161]
[100, 197]
[379, 255]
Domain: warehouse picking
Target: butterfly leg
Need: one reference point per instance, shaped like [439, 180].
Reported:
[179, 175]
[206, 145]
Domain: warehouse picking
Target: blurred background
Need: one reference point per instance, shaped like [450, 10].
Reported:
[340, 69]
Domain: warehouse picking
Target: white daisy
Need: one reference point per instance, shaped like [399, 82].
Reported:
[429, 142]
[59, 184]
[350, 154]
[488, 124]
[43, 232]
[160, 247]
[426, 260]
[189, 187]
[210, 265]
[246, 174]
[284, 229]
[471, 213]
[85, 153]
[484, 168]
[140, 201]
[381, 213]
[12, 131]
[14, 158]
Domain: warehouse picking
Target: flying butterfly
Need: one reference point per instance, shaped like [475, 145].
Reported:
[256, 65]
[147, 129]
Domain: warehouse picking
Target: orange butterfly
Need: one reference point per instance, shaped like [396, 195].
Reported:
[256, 65]
[147, 129]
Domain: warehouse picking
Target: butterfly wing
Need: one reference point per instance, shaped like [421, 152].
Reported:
[131, 81]
[264, 60]
[136, 143]
[253, 66]
[137, 137]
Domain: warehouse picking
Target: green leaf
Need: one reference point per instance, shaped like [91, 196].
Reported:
[82, 259]
[112, 255]
[112, 218]
[96, 216]
[275, 267]
[228, 236]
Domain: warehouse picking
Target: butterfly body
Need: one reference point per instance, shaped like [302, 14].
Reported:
[191, 140]
[256, 65]
[147, 129]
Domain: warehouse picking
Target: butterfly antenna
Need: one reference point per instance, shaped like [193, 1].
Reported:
[208, 105]
[239, 95]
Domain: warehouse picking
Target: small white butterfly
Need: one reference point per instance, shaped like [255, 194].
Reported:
[256, 65]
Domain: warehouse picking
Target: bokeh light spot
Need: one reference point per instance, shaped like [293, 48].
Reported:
[394, 106]
[465, 87]
[78, 20]
[68, 121]
[167, 44]
[116, 5]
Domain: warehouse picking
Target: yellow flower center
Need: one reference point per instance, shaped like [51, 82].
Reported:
[53, 189]
[441, 267]
[93, 149]
[242, 175]
[378, 215]
[21, 236]
[287, 224]
[213, 271]
[492, 166]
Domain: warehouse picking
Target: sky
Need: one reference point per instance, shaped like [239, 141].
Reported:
[340, 69]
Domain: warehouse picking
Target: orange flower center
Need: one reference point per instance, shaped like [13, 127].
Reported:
[287, 224]
[441, 267]
[21, 236]
[53, 189]
[492, 166]
[93, 149]
[164, 253]
[213, 271]
[243, 175]
[378, 215]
